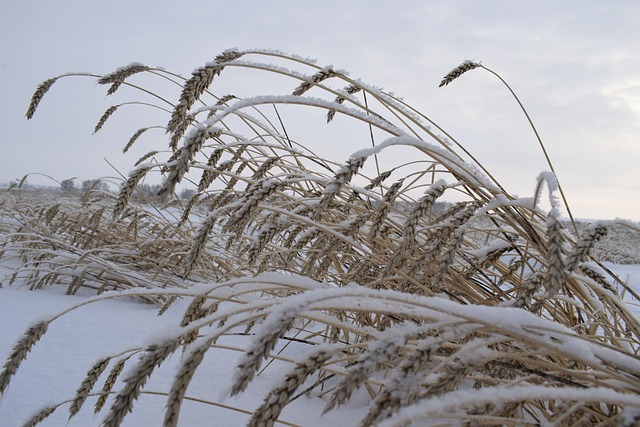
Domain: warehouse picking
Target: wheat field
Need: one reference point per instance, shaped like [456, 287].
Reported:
[423, 282]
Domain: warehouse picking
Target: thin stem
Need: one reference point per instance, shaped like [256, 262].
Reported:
[544, 150]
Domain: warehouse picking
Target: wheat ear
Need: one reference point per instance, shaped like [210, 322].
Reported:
[179, 387]
[199, 244]
[380, 352]
[580, 251]
[276, 400]
[40, 416]
[37, 96]
[123, 403]
[105, 117]
[133, 139]
[351, 89]
[87, 384]
[556, 264]
[108, 385]
[384, 208]
[411, 225]
[342, 177]
[193, 143]
[317, 78]
[19, 353]
[196, 85]
[118, 77]
[127, 189]
[458, 71]
[274, 326]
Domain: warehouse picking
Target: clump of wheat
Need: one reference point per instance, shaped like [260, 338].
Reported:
[401, 292]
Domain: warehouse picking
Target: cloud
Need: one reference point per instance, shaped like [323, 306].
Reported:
[624, 94]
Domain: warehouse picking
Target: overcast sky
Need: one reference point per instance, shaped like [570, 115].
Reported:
[574, 64]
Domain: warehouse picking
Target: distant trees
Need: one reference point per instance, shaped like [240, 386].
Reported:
[94, 184]
[146, 191]
[68, 185]
[88, 184]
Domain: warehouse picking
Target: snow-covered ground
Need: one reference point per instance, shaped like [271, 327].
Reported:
[73, 343]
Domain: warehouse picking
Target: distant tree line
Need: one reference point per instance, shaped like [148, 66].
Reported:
[147, 191]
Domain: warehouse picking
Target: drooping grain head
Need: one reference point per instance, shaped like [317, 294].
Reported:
[19, 353]
[104, 117]
[458, 71]
[317, 78]
[120, 75]
[37, 96]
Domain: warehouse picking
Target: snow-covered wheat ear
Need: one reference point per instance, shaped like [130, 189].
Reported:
[120, 75]
[315, 79]
[458, 71]
[351, 89]
[192, 145]
[194, 87]
[19, 353]
[398, 388]
[556, 274]
[199, 244]
[342, 177]
[87, 385]
[384, 208]
[596, 277]
[192, 90]
[123, 403]
[37, 96]
[378, 353]
[275, 401]
[421, 208]
[182, 379]
[456, 240]
[526, 291]
[580, 251]
[194, 312]
[266, 336]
